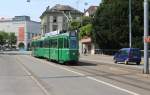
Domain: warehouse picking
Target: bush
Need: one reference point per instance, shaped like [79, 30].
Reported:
[21, 45]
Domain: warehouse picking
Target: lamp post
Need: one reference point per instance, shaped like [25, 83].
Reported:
[146, 24]
[130, 26]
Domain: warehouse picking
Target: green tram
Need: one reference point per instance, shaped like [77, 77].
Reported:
[62, 48]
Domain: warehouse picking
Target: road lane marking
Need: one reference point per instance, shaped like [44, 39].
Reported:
[72, 71]
[32, 77]
[111, 85]
[97, 80]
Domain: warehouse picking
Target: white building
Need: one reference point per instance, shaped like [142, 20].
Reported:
[58, 18]
[23, 27]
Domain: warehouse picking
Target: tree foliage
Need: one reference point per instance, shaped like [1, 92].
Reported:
[85, 31]
[86, 20]
[86, 28]
[7, 39]
[12, 39]
[21, 45]
[3, 38]
[111, 26]
[74, 24]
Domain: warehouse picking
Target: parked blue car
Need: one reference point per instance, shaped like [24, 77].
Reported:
[127, 55]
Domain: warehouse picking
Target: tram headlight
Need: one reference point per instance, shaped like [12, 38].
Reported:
[74, 53]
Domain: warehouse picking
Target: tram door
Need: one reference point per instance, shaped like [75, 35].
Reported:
[60, 48]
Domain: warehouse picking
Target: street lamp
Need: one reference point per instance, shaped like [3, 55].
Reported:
[130, 26]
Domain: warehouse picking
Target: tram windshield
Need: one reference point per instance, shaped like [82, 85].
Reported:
[73, 43]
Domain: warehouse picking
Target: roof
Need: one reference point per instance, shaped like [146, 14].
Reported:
[17, 19]
[61, 8]
[3, 19]
[91, 10]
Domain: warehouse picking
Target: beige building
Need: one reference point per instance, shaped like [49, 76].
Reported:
[58, 17]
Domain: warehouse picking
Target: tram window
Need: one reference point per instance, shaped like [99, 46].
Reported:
[54, 43]
[60, 42]
[66, 43]
[73, 43]
[41, 44]
[37, 43]
[46, 43]
[50, 43]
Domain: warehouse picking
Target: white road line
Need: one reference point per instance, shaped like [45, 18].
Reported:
[108, 84]
[33, 78]
[72, 71]
[97, 80]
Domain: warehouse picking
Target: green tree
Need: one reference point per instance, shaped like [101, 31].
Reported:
[86, 28]
[85, 31]
[110, 24]
[3, 38]
[21, 45]
[12, 39]
[74, 24]
[86, 20]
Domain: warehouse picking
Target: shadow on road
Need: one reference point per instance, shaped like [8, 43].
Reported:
[81, 64]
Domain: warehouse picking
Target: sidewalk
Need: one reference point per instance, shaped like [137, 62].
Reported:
[101, 58]
[107, 59]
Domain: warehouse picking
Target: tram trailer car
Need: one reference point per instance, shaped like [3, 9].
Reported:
[62, 48]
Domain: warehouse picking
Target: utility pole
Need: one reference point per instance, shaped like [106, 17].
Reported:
[146, 26]
[130, 25]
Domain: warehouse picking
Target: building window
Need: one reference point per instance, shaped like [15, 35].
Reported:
[55, 27]
[32, 35]
[54, 19]
[28, 35]
[44, 29]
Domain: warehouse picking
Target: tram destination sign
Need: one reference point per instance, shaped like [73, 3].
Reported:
[73, 34]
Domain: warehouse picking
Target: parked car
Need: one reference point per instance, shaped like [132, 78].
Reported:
[127, 55]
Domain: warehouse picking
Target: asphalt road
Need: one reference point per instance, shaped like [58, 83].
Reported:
[26, 75]
[14, 80]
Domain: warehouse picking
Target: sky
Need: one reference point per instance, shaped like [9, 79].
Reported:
[35, 8]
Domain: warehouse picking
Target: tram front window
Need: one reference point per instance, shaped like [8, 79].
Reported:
[73, 43]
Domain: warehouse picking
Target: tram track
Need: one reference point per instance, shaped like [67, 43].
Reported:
[99, 70]
[129, 78]
[121, 66]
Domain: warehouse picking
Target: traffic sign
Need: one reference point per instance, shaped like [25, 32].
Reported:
[147, 39]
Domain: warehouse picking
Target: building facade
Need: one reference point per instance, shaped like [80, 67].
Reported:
[58, 18]
[90, 11]
[23, 28]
